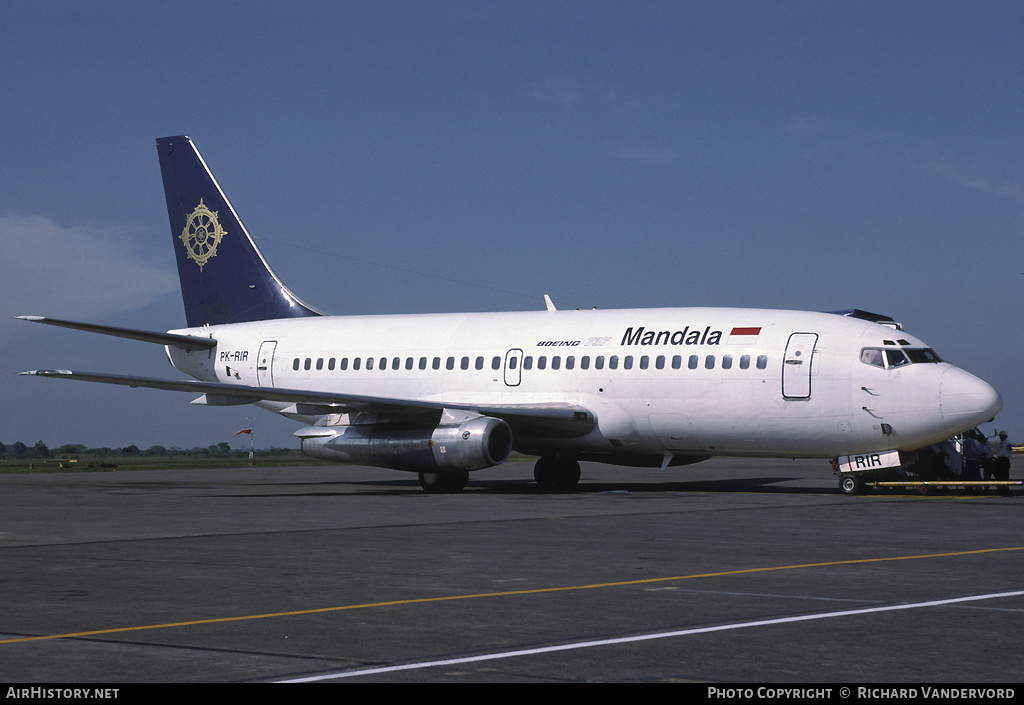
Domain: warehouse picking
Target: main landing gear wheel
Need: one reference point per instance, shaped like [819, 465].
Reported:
[444, 482]
[557, 474]
[850, 484]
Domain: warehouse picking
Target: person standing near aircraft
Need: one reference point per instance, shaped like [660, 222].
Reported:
[972, 456]
[1003, 452]
[985, 456]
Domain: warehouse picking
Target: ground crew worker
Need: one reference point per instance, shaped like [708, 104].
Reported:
[1003, 452]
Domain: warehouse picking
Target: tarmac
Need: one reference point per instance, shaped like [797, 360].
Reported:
[730, 571]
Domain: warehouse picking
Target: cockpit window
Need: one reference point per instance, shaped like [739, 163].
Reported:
[872, 356]
[922, 355]
[888, 358]
[896, 358]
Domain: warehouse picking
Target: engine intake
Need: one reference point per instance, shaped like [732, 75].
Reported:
[463, 441]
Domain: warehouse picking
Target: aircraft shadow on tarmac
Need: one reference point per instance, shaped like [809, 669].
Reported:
[764, 485]
[760, 484]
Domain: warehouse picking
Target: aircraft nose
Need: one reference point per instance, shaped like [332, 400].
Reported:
[966, 401]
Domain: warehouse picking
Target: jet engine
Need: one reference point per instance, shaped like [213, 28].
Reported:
[463, 441]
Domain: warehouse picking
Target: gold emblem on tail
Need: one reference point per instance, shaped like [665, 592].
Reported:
[202, 234]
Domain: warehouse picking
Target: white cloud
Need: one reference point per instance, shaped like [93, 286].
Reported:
[81, 271]
[1013, 191]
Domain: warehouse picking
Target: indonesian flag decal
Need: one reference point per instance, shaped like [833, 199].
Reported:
[744, 336]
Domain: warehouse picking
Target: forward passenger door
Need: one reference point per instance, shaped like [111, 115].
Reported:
[796, 367]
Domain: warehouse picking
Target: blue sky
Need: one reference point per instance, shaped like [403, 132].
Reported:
[403, 157]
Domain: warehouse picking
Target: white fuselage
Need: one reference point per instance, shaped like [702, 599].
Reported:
[686, 381]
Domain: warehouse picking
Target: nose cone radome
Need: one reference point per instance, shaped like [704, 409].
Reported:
[966, 401]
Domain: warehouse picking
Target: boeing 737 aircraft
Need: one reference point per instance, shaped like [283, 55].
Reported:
[445, 394]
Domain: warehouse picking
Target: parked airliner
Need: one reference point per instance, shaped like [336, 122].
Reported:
[446, 394]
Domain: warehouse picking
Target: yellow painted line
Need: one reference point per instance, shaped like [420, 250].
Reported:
[509, 593]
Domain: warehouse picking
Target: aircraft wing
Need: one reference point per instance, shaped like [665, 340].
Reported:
[554, 419]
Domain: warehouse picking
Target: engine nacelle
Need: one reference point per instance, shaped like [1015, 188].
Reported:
[463, 441]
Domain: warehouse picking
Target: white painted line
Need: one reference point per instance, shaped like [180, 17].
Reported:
[646, 637]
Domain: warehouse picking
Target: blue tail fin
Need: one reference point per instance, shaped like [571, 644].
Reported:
[224, 278]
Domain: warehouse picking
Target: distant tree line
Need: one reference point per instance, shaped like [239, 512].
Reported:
[40, 451]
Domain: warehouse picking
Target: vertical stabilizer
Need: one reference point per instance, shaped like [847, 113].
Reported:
[224, 278]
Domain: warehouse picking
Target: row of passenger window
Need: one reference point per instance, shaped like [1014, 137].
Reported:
[542, 362]
[396, 363]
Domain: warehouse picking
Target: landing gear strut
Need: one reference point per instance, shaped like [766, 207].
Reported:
[556, 474]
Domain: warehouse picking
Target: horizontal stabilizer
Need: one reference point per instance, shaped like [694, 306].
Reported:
[190, 342]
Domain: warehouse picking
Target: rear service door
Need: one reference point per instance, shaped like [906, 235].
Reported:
[265, 364]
